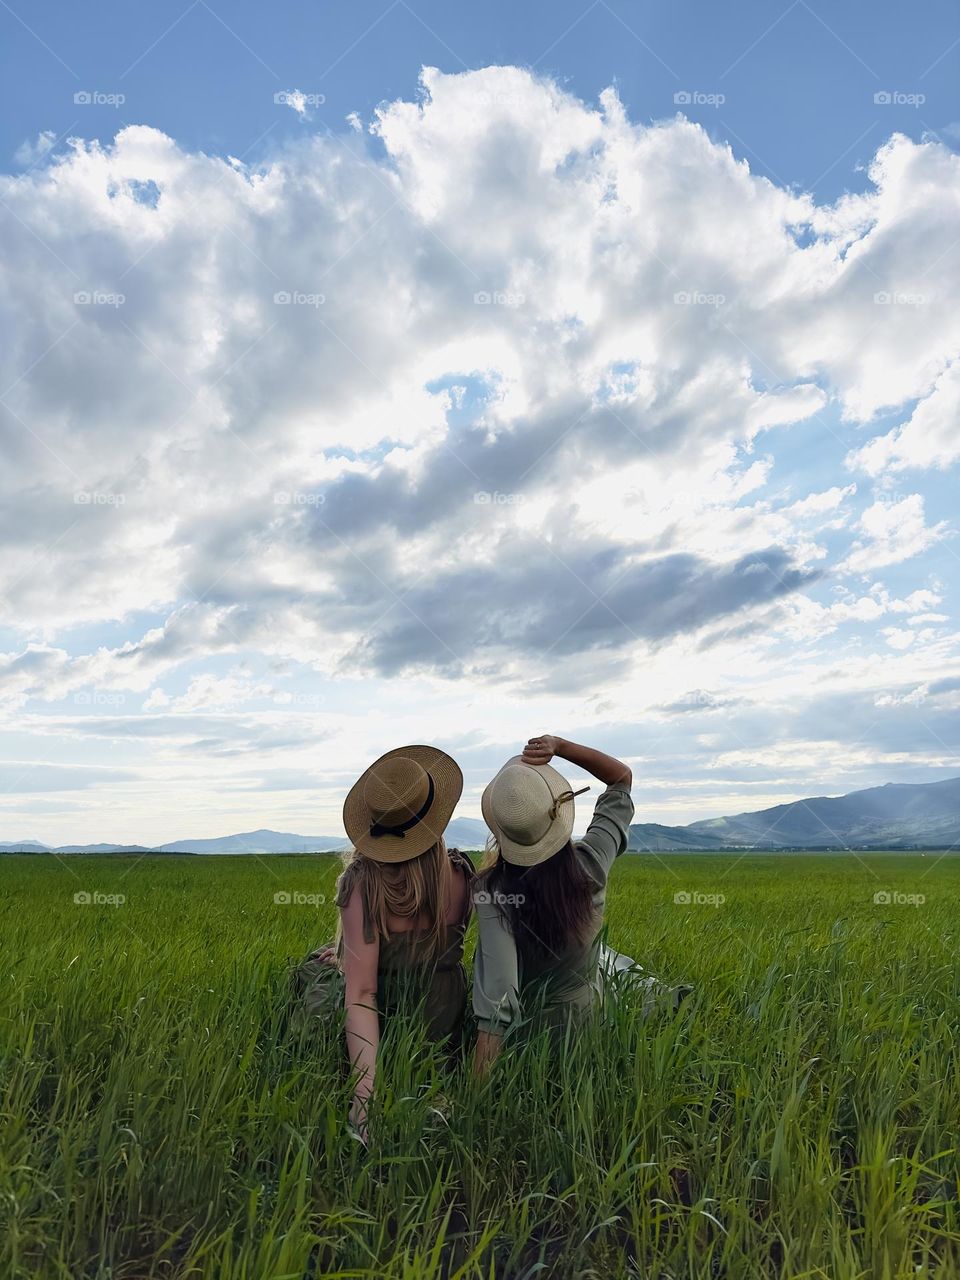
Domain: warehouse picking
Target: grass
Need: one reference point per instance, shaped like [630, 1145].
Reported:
[799, 1118]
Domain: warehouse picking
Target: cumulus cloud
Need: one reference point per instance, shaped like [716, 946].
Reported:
[496, 393]
[891, 533]
[929, 438]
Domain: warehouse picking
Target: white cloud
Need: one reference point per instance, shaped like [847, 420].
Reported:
[28, 153]
[891, 533]
[819, 504]
[929, 438]
[511, 293]
[210, 692]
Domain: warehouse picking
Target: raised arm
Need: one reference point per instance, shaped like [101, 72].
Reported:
[606, 769]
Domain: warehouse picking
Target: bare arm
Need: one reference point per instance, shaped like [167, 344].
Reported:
[360, 959]
[606, 769]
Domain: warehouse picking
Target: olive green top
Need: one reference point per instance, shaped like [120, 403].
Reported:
[405, 978]
[509, 976]
[440, 987]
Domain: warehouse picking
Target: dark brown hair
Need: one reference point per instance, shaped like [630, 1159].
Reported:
[549, 905]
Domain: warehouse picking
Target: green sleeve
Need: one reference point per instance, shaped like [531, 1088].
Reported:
[606, 836]
[496, 1000]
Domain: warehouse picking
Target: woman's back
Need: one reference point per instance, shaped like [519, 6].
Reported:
[456, 907]
[411, 971]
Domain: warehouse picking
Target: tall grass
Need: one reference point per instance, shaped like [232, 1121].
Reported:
[162, 1117]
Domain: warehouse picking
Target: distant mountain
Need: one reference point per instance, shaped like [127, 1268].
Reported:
[31, 846]
[466, 833]
[104, 848]
[653, 837]
[894, 816]
[245, 842]
[462, 833]
[262, 841]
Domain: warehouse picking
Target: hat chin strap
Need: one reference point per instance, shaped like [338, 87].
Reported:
[400, 829]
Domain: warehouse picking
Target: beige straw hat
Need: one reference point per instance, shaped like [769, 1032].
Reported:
[401, 805]
[529, 809]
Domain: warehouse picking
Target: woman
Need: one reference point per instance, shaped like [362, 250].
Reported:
[540, 900]
[404, 902]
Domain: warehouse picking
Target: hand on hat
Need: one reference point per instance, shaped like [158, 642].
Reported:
[541, 749]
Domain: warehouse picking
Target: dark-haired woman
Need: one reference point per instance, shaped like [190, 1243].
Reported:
[540, 899]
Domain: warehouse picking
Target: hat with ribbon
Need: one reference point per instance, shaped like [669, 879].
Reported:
[401, 805]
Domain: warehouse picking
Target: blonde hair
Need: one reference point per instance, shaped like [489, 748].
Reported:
[408, 890]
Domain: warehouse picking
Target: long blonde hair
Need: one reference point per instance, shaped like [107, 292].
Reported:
[408, 890]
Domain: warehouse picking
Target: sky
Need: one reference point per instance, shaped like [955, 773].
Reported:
[385, 373]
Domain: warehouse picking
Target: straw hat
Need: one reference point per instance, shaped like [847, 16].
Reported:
[401, 805]
[529, 808]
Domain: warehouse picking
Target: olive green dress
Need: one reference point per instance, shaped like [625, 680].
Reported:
[404, 981]
[441, 988]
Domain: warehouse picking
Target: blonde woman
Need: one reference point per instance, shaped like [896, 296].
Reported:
[540, 898]
[404, 902]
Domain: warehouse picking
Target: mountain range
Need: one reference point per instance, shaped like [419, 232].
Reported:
[465, 833]
[894, 816]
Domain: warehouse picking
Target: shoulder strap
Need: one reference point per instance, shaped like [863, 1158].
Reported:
[462, 863]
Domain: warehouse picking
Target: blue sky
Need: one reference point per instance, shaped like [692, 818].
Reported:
[473, 389]
[798, 79]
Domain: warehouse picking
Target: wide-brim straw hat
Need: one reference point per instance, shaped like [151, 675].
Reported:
[400, 806]
[529, 808]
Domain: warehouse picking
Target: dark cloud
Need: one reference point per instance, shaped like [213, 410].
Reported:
[535, 603]
[948, 685]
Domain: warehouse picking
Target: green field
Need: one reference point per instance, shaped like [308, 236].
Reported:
[800, 1117]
